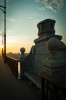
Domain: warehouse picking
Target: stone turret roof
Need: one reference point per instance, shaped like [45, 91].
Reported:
[46, 20]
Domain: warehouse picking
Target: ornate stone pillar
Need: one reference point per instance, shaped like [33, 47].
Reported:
[22, 63]
[55, 63]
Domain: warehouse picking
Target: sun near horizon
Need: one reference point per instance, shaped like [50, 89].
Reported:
[22, 18]
[1, 46]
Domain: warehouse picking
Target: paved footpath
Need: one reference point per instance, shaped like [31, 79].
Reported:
[13, 89]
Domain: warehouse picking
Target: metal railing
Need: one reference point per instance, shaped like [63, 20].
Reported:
[13, 64]
[51, 90]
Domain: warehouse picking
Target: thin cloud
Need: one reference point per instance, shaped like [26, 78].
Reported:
[11, 19]
[41, 8]
[30, 17]
[54, 5]
[37, 0]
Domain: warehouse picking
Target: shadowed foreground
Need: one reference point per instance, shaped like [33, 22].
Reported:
[13, 89]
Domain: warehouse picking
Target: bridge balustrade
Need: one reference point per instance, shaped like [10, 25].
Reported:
[51, 89]
[13, 64]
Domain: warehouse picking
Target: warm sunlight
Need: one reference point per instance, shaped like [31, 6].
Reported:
[10, 40]
[1, 46]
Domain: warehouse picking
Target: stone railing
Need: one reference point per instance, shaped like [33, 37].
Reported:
[48, 55]
[27, 69]
[51, 89]
[13, 64]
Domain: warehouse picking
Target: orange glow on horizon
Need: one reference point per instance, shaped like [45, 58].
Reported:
[13, 45]
[1, 46]
[15, 48]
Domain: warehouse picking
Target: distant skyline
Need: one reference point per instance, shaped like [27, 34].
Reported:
[23, 17]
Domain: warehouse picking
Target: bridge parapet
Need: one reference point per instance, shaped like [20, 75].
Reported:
[36, 61]
[55, 63]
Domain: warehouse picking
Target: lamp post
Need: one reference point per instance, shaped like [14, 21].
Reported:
[3, 8]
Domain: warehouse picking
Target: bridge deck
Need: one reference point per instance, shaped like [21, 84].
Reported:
[13, 89]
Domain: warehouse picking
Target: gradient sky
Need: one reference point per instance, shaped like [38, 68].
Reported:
[22, 19]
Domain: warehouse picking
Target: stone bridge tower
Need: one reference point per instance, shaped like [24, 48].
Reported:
[39, 51]
[46, 27]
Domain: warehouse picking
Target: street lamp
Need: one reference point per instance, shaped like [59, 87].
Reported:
[3, 8]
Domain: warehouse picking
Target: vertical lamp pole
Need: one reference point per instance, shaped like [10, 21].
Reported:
[3, 8]
[4, 31]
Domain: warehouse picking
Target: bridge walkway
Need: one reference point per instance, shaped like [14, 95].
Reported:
[13, 89]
